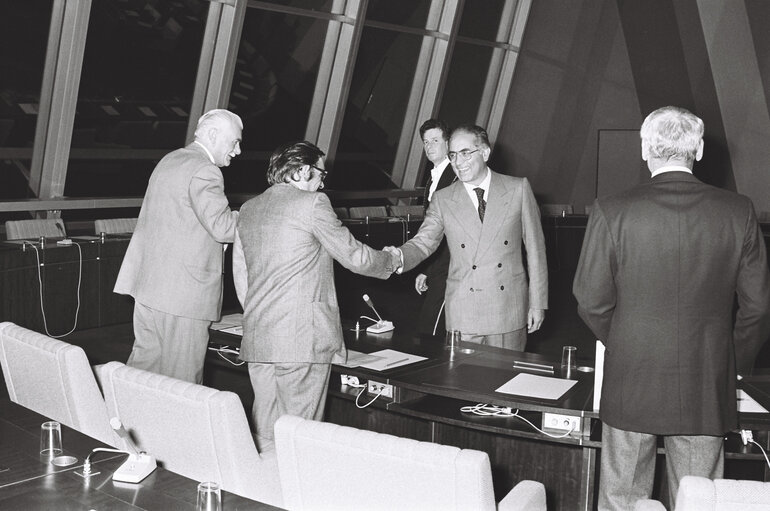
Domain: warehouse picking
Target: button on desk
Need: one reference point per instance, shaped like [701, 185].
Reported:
[31, 483]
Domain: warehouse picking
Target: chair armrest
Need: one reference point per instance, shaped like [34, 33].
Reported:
[525, 496]
[648, 505]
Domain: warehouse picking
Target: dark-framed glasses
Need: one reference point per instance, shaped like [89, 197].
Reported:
[322, 171]
[465, 155]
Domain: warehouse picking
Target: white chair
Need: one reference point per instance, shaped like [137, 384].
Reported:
[368, 211]
[54, 379]
[114, 225]
[21, 229]
[195, 431]
[703, 494]
[327, 466]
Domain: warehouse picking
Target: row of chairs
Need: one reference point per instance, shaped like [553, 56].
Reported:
[54, 227]
[356, 212]
[203, 434]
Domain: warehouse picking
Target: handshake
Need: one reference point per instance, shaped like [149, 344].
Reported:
[396, 258]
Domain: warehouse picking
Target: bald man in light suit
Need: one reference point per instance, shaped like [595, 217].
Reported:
[173, 265]
[486, 217]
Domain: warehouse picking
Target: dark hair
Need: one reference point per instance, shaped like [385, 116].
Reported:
[289, 158]
[479, 133]
[435, 123]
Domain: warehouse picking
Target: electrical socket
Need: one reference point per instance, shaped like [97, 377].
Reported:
[746, 436]
[561, 422]
[346, 379]
[375, 387]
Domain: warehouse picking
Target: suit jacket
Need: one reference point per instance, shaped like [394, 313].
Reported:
[174, 261]
[283, 270]
[487, 286]
[659, 270]
[435, 269]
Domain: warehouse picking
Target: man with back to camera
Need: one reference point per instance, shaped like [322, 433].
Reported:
[173, 265]
[288, 238]
[485, 217]
[660, 267]
[435, 138]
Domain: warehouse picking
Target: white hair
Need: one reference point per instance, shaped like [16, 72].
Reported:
[215, 119]
[672, 133]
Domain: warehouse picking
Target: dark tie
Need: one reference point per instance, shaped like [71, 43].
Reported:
[425, 200]
[482, 204]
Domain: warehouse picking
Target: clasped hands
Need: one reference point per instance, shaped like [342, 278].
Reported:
[396, 258]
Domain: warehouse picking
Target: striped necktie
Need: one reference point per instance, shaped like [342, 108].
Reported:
[482, 203]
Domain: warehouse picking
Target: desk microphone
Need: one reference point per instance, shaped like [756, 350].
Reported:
[381, 326]
[138, 465]
[64, 240]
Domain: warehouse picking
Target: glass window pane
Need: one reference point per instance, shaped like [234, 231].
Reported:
[136, 88]
[481, 20]
[23, 38]
[275, 76]
[374, 115]
[462, 97]
[409, 13]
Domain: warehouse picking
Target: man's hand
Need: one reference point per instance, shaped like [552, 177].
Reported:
[535, 319]
[395, 257]
[421, 283]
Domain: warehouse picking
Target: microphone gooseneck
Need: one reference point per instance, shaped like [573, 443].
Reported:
[371, 305]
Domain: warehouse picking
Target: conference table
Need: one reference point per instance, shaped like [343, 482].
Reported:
[29, 481]
[525, 438]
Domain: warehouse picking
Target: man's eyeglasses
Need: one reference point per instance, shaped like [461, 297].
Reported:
[322, 171]
[465, 155]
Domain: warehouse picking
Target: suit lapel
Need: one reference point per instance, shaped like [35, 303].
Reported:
[498, 207]
[464, 214]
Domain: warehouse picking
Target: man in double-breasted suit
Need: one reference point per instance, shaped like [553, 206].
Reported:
[490, 296]
[288, 238]
[660, 268]
[173, 264]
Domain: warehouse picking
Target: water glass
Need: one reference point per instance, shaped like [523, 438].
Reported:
[209, 497]
[50, 439]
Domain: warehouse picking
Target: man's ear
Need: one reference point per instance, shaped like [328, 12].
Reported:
[485, 152]
[645, 152]
[699, 153]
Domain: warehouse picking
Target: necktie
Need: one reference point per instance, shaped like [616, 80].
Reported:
[425, 200]
[482, 203]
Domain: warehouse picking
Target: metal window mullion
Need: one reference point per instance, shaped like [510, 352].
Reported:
[502, 67]
[219, 51]
[427, 87]
[339, 79]
[59, 94]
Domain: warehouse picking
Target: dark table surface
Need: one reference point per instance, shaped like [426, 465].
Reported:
[31, 482]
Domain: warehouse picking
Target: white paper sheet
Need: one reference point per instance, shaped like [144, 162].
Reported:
[390, 359]
[356, 358]
[747, 404]
[533, 385]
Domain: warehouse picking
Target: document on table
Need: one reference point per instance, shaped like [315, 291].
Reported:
[747, 404]
[533, 385]
[390, 359]
[356, 358]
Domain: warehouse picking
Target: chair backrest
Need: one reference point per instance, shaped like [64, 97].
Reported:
[702, 494]
[114, 225]
[326, 466]
[48, 227]
[195, 431]
[555, 209]
[342, 212]
[370, 211]
[54, 379]
[403, 211]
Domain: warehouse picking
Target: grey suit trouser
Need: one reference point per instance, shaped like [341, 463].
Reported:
[628, 464]
[169, 345]
[282, 388]
[516, 340]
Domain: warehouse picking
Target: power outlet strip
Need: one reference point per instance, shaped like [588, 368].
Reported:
[561, 422]
[375, 387]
